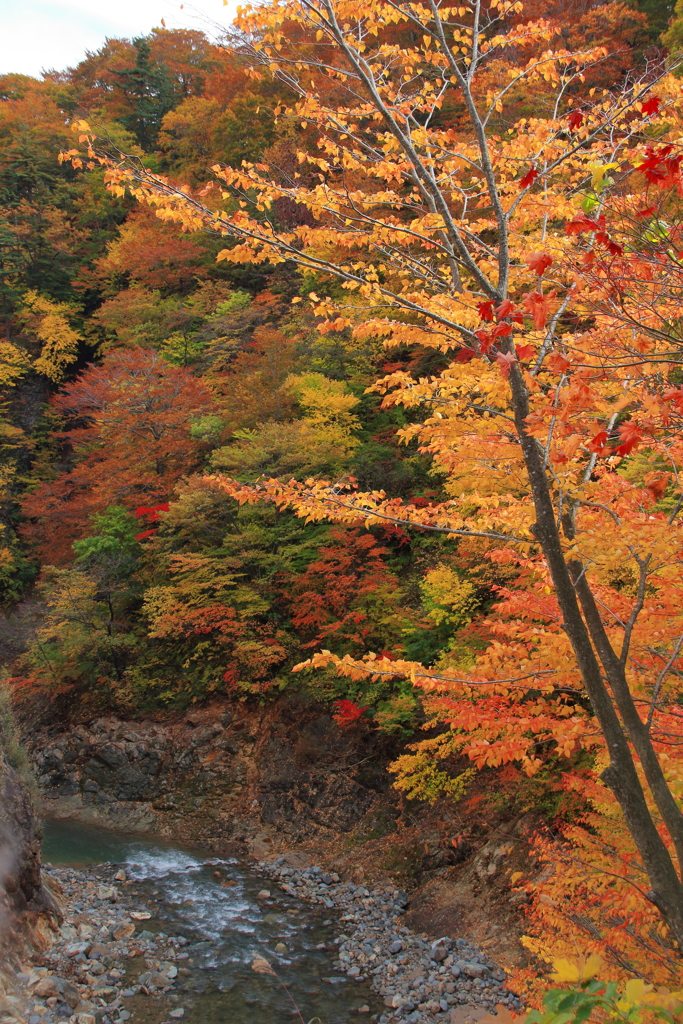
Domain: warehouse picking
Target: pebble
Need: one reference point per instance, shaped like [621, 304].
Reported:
[420, 980]
[84, 977]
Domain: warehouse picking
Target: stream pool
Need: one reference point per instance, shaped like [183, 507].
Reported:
[213, 904]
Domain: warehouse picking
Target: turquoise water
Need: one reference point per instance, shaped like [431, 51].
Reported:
[227, 926]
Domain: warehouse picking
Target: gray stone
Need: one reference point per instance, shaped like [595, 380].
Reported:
[396, 947]
[76, 947]
[475, 970]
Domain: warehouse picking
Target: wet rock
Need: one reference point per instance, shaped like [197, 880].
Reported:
[159, 980]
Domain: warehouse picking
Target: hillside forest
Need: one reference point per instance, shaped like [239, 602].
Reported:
[342, 356]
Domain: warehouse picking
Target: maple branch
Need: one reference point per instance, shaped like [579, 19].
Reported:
[550, 335]
[487, 166]
[424, 178]
[426, 674]
[677, 509]
[660, 679]
[367, 513]
[643, 564]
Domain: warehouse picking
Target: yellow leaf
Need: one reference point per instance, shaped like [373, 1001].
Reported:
[636, 990]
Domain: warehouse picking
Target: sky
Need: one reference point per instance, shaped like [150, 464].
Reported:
[37, 35]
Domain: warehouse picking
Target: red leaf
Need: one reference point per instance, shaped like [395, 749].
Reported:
[145, 533]
[630, 438]
[525, 351]
[485, 340]
[150, 512]
[582, 223]
[485, 310]
[464, 355]
[505, 308]
[657, 483]
[347, 712]
[505, 361]
[597, 444]
[502, 330]
[651, 106]
[647, 212]
[557, 362]
[575, 119]
[539, 262]
[674, 395]
[538, 306]
[660, 165]
[529, 178]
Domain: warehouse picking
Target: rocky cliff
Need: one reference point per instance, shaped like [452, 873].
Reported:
[27, 909]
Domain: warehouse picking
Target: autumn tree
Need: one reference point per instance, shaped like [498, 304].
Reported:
[129, 432]
[49, 327]
[542, 260]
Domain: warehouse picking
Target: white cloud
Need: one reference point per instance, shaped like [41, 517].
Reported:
[37, 35]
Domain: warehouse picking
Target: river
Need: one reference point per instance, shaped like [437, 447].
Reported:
[213, 903]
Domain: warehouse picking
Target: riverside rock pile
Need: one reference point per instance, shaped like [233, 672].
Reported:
[421, 980]
[85, 977]
[105, 964]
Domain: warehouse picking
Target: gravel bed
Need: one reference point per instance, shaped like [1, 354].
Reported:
[85, 976]
[422, 980]
[103, 957]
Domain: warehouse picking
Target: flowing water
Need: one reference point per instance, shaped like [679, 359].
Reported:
[227, 927]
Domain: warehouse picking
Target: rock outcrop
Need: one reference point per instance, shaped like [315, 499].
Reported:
[27, 909]
[300, 772]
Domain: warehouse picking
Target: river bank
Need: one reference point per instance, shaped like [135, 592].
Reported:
[262, 782]
[169, 935]
[420, 978]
